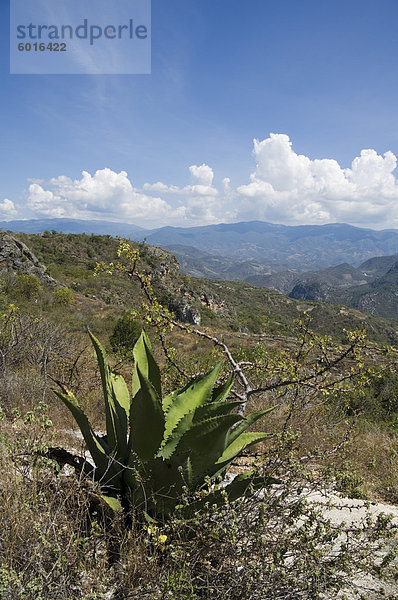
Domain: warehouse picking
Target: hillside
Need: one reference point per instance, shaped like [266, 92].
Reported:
[16, 258]
[233, 305]
[39, 436]
[200, 263]
[239, 250]
[372, 287]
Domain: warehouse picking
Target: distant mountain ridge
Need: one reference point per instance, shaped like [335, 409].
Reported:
[242, 250]
[72, 226]
[341, 276]
[281, 247]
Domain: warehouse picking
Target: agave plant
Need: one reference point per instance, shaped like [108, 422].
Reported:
[157, 450]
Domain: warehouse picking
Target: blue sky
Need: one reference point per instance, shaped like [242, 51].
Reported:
[176, 146]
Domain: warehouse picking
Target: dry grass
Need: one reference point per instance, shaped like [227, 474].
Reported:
[373, 454]
[59, 542]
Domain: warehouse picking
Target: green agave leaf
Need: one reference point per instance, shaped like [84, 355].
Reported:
[121, 407]
[236, 447]
[168, 401]
[107, 470]
[204, 436]
[168, 448]
[206, 441]
[164, 481]
[215, 409]
[243, 484]
[195, 394]
[145, 361]
[121, 395]
[116, 409]
[146, 420]
[113, 503]
[221, 393]
[247, 422]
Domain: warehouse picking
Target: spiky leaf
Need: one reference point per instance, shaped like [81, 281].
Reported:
[245, 440]
[146, 420]
[206, 441]
[203, 413]
[168, 401]
[195, 394]
[146, 363]
[121, 405]
[221, 393]
[247, 422]
[116, 410]
[168, 448]
[245, 483]
[107, 470]
[214, 409]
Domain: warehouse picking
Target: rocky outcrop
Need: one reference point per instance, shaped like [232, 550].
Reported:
[162, 264]
[314, 291]
[210, 301]
[182, 296]
[190, 300]
[15, 257]
[185, 312]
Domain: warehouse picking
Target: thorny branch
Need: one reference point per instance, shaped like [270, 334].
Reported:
[315, 376]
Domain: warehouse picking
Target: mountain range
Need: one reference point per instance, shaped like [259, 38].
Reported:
[233, 306]
[241, 250]
[71, 226]
[336, 263]
[259, 248]
[371, 287]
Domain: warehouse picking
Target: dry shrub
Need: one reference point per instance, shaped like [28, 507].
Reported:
[53, 538]
[373, 454]
[58, 542]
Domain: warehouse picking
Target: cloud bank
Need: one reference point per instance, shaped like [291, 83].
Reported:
[292, 188]
[104, 195]
[284, 187]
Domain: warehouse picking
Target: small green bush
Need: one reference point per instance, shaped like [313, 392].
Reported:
[125, 334]
[28, 286]
[63, 296]
[377, 401]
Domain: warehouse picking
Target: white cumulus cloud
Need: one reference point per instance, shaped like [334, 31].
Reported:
[202, 175]
[8, 209]
[106, 194]
[284, 187]
[291, 188]
[161, 188]
[198, 203]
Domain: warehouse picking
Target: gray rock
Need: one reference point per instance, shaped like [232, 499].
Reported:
[186, 313]
[15, 257]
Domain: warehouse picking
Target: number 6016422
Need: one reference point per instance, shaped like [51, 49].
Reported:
[42, 47]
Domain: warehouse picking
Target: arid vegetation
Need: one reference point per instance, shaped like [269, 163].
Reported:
[334, 427]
